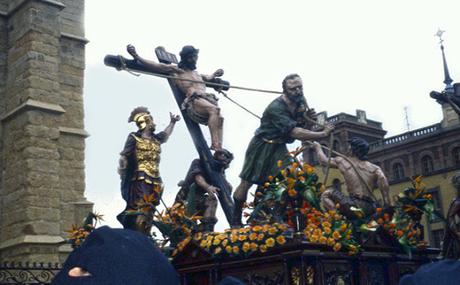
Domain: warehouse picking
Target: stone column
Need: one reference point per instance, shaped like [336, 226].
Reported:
[43, 134]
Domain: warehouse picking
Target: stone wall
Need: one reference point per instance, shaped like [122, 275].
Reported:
[42, 155]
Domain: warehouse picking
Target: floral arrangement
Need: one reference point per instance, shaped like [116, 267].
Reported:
[330, 229]
[77, 235]
[239, 242]
[174, 224]
[402, 223]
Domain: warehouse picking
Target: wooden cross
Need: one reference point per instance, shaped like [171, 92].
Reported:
[201, 146]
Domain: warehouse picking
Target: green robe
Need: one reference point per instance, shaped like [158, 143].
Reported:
[269, 143]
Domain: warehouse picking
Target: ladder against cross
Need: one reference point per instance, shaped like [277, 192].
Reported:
[210, 165]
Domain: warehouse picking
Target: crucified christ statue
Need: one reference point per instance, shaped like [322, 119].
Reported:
[200, 106]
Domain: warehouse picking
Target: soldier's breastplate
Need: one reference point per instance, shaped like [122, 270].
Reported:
[148, 156]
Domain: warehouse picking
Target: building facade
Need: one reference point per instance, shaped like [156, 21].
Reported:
[432, 151]
[42, 179]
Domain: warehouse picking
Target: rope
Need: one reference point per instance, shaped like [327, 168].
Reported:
[124, 67]
[238, 104]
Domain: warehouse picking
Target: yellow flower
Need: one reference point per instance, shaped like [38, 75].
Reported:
[234, 238]
[266, 227]
[280, 240]
[282, 227]
[254, 246]
[283, 172]
[314, 238]
[343, 227]
[229, 249]
[242, 237]
[260, 237]
[323, 240]
[203, 243]
[242, 230]
[224, 242]
[236, 249]
[326, 224]
[246, 247]
[336, 235]
[221, 236]
[279, 163]
[198, 236]
[253, 236]
[272, 231]
[337, 247]
[263, 248]
[270, 242]
[266, 184]
[327, 230]
[257, 228]
[216, 241]
[217, 250]
[330, 241]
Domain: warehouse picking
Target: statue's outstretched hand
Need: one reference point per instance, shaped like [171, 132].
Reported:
[132, 51]
[218, 73]
[328, 128]
[174, 118]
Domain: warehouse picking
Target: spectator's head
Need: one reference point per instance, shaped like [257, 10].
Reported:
[116, 257]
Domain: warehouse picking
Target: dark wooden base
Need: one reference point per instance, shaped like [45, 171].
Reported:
[302, 263]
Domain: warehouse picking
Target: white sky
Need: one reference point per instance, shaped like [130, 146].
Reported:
[378, 56]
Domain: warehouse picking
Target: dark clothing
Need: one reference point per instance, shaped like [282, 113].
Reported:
[118, 257]
[451, 241]
[197, 198]
[269, 143]
[445, 272]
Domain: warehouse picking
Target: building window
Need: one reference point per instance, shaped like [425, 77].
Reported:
[437, 202]
[436, 238]
[456, 156]
[398, 171]
[336, 146]
[337, 185]
[312, 159]
[427, 165]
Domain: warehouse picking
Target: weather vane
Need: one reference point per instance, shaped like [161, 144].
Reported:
[439, 35]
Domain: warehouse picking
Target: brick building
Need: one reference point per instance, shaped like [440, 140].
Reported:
[42, 144]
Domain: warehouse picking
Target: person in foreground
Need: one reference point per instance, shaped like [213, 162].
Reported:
[116, 257]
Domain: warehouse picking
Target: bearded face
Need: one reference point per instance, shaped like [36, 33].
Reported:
[189, 62]
[294, 90]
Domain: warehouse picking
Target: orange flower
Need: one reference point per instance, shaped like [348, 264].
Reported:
[336, 235]
[327, 230]
[378, 210]
[236, 249]
[280, 240]
[330, 241]
[272, 231]
[279, 163]
[233, 238]
[379, 221]
[337, 247]
[257, 228]
[242, 237]
[260, 237]
[326, 224]
[399, 233]
[253, 236]
[323, 240]
[270, 178]
[266, 184]
[292, 193]
[246, 247]
[343, 227]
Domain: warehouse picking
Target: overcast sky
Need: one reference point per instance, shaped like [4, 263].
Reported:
[377, 56]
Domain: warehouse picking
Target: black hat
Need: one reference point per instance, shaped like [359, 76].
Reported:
[188, 50]
[118, 257]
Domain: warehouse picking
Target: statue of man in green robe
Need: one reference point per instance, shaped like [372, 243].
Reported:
[279, 126]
